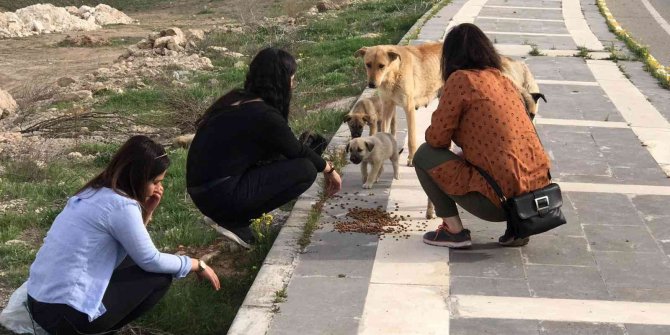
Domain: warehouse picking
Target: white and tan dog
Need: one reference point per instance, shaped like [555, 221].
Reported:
[374, 113]
[521, 76]
[374, 150]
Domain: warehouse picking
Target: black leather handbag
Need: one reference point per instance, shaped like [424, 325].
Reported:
[530, 213]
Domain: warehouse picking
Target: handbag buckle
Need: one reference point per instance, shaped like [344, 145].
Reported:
[542, 203]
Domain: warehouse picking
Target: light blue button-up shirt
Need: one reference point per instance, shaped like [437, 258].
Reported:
[87, 241]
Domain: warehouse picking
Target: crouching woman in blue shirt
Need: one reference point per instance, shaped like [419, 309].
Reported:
[81, 281]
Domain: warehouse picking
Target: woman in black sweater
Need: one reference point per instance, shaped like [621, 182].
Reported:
[244, 160]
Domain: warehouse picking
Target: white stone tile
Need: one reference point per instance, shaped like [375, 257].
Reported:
[405, 309]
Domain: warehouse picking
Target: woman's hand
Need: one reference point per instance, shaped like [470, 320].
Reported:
[152, 202]
[333, 183]
[209, 275]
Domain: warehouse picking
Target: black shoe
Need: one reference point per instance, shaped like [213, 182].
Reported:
[443, 238]
[243, 236]
[509, 240]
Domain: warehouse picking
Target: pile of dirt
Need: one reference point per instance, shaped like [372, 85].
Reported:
[84, 41]
[47, 18]
[101, 14]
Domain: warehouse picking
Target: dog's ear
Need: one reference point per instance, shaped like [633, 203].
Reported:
[369, 146]
[347, 148]
[537, 96]
[394, 55]
[347, 118]
[361, 52]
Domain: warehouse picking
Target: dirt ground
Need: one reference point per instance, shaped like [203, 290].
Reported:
[38, 59]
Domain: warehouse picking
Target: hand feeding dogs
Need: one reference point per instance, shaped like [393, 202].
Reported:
[410, 77]
[374, 150]
[374, 113]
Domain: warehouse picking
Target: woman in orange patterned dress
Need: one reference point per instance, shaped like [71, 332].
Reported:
[482, 112]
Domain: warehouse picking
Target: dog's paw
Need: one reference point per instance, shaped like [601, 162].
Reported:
[430, 216]
[367, 186]
[410, 162]
[396, 177]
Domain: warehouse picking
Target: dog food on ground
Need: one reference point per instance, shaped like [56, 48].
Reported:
[370, 221]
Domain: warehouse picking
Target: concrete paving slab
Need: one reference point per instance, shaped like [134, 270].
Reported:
[566, 282]
[557, 250]
[408, 261]
[577, 102]
[524, 26]
[619, 238]
[489, 286]
[395, 309]
[634, 270]
[603, 208]
[560, 68]
[542, 42]
[524, 14]
[652, 205]
[571, 310]
[330, 300]
[487, 261]
[330, 326]
[325, 256]
[647, 329]
[493, 326]
[580, 328]
[649, 87]
[578, 27]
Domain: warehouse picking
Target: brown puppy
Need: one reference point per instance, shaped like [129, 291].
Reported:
[371, 112]
[408, 76]
[374, 150]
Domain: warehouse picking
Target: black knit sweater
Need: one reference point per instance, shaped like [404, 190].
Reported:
[240, 137]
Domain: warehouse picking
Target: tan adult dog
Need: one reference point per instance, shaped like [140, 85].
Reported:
[372, 112]
[521, 76]
[409, 76]
[374, 150]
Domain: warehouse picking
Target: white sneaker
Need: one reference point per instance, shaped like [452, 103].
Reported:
[236, 235]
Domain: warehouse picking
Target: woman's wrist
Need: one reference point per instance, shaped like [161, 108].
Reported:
[329, 168]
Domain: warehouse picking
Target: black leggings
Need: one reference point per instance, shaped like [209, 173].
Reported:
[236, 201]
[131, 293]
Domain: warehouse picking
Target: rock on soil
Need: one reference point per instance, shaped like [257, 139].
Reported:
[7, 104]
[84, 41]
[47, 18]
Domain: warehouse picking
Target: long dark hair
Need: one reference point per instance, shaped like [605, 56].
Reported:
[466, 47]
[269, 78]
[135, 164]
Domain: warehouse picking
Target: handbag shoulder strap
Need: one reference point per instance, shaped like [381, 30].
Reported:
[492, 182]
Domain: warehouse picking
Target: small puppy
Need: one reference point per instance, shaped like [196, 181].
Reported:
[374, 150]
[372, 112]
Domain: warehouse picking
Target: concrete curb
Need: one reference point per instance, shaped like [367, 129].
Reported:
[256, 313]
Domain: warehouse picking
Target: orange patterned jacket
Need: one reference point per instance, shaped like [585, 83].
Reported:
[482, 112]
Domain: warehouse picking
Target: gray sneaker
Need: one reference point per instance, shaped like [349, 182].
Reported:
[441, 237]
[241, 235]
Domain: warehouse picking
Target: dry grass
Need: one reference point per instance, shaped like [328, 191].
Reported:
[29, 95]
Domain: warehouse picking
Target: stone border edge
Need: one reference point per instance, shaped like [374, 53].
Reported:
[660, 72]
[258, 308]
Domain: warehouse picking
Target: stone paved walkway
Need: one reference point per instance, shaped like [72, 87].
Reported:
[606, 272]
